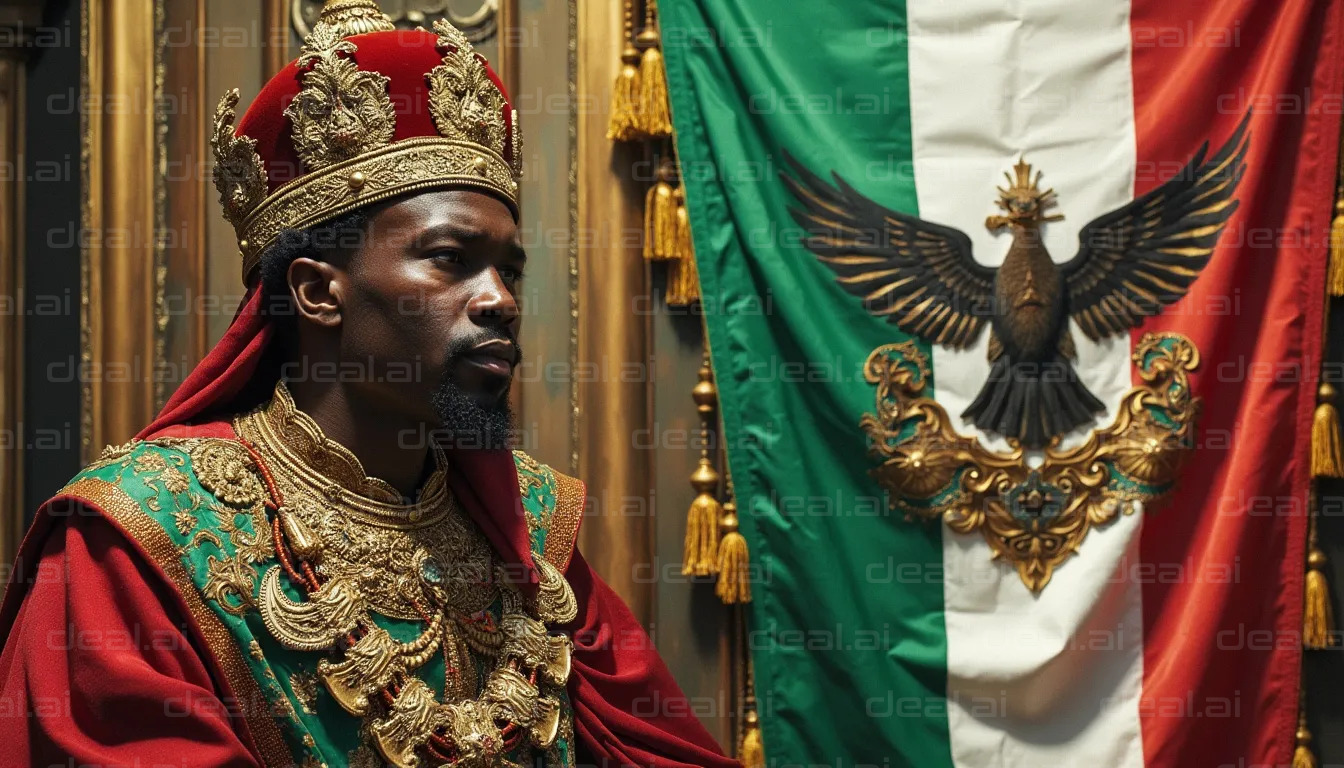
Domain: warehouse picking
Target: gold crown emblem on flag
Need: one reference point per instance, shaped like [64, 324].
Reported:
[365, 113]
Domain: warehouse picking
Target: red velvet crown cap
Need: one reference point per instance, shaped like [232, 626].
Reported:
[405, 57]
[358, 119]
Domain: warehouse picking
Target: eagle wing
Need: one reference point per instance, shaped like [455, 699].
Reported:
[917, 274]
[1135, 260]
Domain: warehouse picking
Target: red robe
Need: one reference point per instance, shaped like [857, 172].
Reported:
[104, 664]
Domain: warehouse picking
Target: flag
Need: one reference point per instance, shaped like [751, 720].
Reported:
[840, 161]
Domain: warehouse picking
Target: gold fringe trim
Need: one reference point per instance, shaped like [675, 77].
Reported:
[1327, 460]
[1335, 274]
[734, 585]
[660, 217]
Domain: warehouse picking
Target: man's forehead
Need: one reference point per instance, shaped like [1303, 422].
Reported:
[459, 213]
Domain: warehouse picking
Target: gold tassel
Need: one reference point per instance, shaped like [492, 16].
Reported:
[1327, 460]
[684, 245]
[1302, 756]
[702, 536]
[734, 560]
[688, 280]
[625, 121]
[660, 217]
[751, 753]
[1335, 273]
[750, 745]
[673, 295]
[654, 110]
[1318, 619]
[701, 553]
[683, 278]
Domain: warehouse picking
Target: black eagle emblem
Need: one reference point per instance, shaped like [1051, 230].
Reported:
[921, 276]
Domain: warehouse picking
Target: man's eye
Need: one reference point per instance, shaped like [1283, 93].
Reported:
[448, 256]
[511, 274]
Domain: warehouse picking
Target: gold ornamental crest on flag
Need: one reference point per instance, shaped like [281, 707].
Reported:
[1035, 502]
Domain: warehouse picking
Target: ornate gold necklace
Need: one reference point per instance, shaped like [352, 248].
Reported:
[354, 548]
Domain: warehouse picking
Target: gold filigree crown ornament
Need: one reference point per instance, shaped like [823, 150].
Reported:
[364, 114]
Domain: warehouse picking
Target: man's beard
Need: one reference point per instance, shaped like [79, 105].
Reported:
[463, 422]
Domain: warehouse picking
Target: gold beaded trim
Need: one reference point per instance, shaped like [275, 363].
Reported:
[405, 166]
[563, 531]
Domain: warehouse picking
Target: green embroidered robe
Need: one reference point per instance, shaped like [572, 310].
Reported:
[195, 507]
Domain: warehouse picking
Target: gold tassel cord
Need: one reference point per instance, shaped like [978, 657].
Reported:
[1302, 755]
[701, 553]
[1335, 267]
[655, 114]
[625, 119]
[750, 745]
[660, 216]
[734, 585]
[1318, 620]
[1327, 460]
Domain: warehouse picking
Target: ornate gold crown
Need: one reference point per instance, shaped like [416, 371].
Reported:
[324, 136]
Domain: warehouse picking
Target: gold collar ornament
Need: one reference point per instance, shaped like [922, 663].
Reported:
[357, 549]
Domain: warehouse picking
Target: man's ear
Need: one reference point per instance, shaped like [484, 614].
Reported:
[317, 290]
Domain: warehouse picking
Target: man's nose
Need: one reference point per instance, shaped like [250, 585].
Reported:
[493, 303]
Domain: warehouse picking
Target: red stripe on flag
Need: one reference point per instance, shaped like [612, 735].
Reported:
[1221, 660]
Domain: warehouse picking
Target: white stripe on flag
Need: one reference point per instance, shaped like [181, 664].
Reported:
[1052, 679]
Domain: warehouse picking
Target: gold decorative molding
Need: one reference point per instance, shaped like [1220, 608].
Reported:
[575, 408]
[275, 20]
[1033, 508]
[123, 278]
[14, 19]
[184, 145]
[610, 333]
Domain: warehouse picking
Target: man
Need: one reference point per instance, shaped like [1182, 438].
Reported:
[322, 552]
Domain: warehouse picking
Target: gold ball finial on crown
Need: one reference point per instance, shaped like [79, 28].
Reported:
[355, 17]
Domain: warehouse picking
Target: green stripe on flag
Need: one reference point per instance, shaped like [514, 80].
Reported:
[847, 623]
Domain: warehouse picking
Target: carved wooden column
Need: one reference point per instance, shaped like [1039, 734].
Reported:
[618, 534]
[17, 20]
[122, 285]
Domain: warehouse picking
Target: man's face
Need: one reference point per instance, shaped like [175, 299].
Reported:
[430, 299]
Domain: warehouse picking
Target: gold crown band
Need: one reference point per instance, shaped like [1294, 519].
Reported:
[411, 165]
